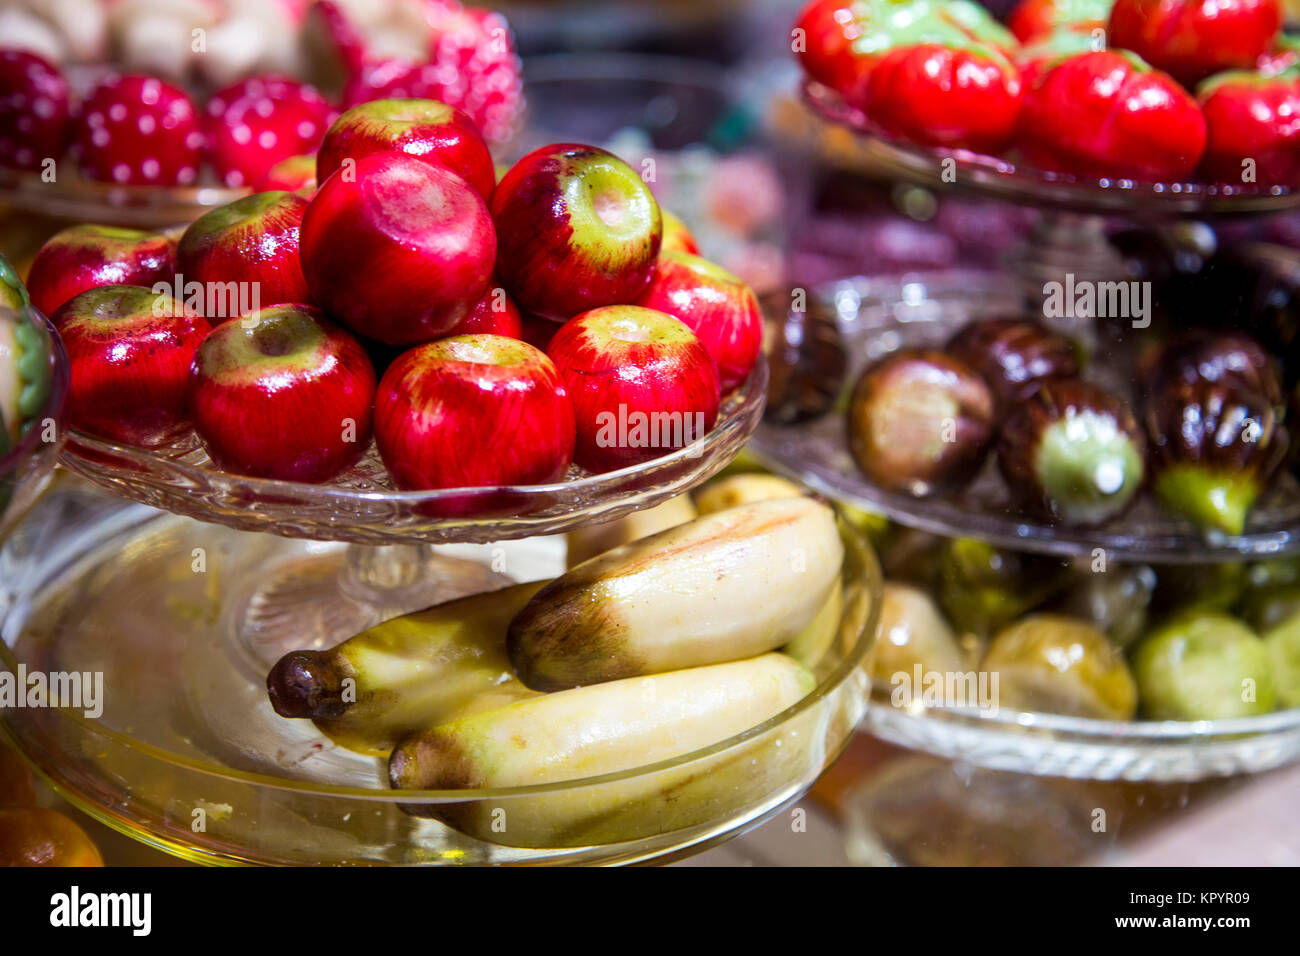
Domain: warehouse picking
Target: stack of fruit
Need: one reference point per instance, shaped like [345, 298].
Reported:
[258, 326]
[1212, 438]
[143, 129]
[649, 651]
[1136, 89]
[1176, 642]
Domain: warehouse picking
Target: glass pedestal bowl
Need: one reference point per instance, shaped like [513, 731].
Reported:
[390, 567]
[186, 754]
[1069, 233]
[877, 316]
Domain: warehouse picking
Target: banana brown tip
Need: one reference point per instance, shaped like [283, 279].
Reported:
[306, 684]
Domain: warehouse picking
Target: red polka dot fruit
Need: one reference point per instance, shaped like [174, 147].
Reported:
[425, 128]
[719, 308]
[401, 251]
[244, 255]
[641, 385]
[282, 393]
[33, 110]
[255, 124]
[86, 257]
[129, 353]
[478, 71]
[577, 229]
[139, 130]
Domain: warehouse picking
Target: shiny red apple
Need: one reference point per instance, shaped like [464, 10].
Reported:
[677, 236]
[425, 128]
[577, 229]
[494, 314]
[297, 174]
[243, 256]
[282, 393]
[473, 411]
[86, 257]
[640, 381]
[719, 308]
[129, 350]
[401, 253]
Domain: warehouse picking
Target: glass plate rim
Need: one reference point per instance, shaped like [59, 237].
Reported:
[749, 392]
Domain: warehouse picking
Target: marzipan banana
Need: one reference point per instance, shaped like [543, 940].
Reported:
[726, 586]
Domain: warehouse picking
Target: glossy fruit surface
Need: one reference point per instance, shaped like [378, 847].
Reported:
[282, 393]
[401, 253]
[474, 411]
[129, 351]
[86, 257]
[641, 384]
[577, 228]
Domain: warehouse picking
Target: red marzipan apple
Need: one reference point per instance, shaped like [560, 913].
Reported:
[402, 253]
[425, 128]
[129, 350]
[577, 229]
[297, 174]
[494, 314]
[282, 393]
[677, 236]
[86, 257]
[641, 384]
[473, 411]
[252, 242]
[719, 308]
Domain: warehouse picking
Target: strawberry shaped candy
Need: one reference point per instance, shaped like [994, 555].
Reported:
[945, 96]
[139, 130]
[255, 124]
[477, 68]
[33, 110]
[1037, 19]
[1110, 114]
[1253, 124]
[1192, 39]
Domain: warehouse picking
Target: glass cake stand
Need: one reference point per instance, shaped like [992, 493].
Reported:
[1069, 234]
[877, 316]
[188, 756]
[390, 567]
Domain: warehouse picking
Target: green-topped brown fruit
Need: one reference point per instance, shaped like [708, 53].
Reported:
[1204, 355]
[1013, 354]
[920, 422]
[1072, 453]
[1204, 666]
[1060, 665]
[1215, 447]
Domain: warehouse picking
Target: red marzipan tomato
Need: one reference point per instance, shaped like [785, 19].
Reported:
[1249, 116]
[1110, 114]
[829, 30]
[941, 96]
[1191, 39]
[1037, 19]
